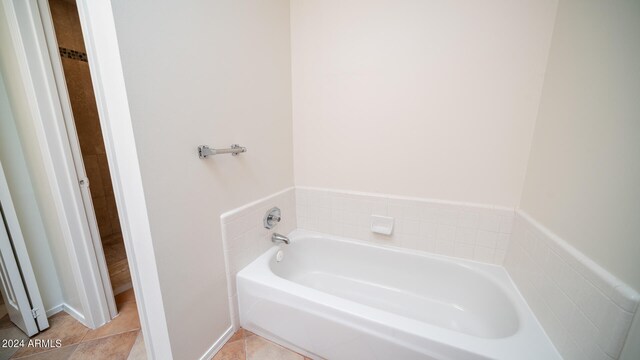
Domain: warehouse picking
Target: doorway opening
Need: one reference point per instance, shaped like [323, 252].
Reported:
[89, 147]
[37, 91]
[61, 321]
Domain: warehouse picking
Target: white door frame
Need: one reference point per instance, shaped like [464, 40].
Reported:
[34, 314]
[74, 143]
[98, 27]
[101, 41]
[29, 42]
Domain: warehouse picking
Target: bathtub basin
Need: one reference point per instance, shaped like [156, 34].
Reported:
[335, 298]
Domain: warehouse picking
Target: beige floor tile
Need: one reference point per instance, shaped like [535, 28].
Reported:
[138, 351]
[10, 332]
[258, 348]
[114, 250]
[120, 276]
[116, 347]
[5, 322]
[232, 350]
[62, 353]
[127, 320]
[3, 308]
[62, 326]
[238, 335]
[125, 297]
[116, 257]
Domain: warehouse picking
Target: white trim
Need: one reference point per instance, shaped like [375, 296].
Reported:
[74, 143]
[27, 33]
[63, 307]
[20, 250]
[621, 293]
[409, 198]
[98, 28]
[54, 310]
[237, 210]
[569, 293]
[35, 68]
[73, 312]
[228, 217]
[230, 280]
[213, 350]
[18, 276]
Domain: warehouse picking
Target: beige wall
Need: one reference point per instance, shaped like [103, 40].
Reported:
[431, 99]
[583, 176]
[209, 73]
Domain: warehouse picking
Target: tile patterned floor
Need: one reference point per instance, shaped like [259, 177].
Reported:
[116, 257]
[119, 339]
[245, 345]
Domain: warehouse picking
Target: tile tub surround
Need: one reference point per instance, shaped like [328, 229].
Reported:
[244, 237]
[585, 310]
[471, 231]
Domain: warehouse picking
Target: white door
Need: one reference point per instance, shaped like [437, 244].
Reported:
[19, 287]
[74, 143]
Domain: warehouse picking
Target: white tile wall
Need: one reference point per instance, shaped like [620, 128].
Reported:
[244, 236]
[585, 310]
[463, 230]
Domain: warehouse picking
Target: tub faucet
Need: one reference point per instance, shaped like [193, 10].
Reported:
[276, 238]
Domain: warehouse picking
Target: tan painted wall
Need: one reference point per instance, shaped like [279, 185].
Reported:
[212, 72]
[432, 99]
[583, 174]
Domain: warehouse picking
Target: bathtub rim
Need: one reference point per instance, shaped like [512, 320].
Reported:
[529, 327]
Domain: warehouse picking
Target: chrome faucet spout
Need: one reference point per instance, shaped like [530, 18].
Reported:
[277, 238]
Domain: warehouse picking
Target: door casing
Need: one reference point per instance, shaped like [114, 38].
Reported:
[21, 293]
[99, 31]
[74, 144]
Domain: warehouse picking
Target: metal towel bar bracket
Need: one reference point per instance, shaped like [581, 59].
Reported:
[204, 151]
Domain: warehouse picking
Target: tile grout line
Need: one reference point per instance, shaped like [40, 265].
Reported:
[244, 342]
[106, 337]
[109, 335]
[44, 352]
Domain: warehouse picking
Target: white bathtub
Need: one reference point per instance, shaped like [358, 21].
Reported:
[336, 298]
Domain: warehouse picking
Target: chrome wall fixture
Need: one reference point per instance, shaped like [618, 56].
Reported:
[204, 151]
[272, 218]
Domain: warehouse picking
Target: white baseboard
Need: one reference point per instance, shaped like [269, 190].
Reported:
[54, 310]
[69, 310]
[75, 314]
[218, 344]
